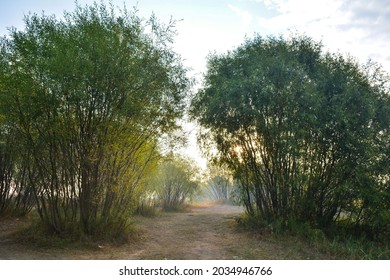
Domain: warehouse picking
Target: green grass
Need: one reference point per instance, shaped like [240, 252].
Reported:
[313, 242]
[38, 235]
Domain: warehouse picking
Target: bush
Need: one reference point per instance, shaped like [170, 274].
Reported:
[88, 98]
[175, 184]
[304, 132]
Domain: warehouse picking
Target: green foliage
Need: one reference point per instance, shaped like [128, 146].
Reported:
[88, 98]
[175, 183]
[337, 243]
[304, 132]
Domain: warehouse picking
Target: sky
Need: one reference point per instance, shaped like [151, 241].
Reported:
[360, 28]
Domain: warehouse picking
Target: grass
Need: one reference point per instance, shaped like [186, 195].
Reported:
[39, 236]
[360, 249]
[312, 242]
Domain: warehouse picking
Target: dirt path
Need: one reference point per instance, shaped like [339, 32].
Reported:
[203, 233]
[207, 231]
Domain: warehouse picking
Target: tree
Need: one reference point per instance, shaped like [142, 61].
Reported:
[16, 197]
[219, 188]
[175, 183]
[89, 96]
[219, 185]
[299, 129]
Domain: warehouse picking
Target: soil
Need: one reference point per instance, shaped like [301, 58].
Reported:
[206, 231]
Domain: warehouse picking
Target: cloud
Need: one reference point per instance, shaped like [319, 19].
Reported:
[246, 17]
[373, 17]
[371, 20]
[358, 27]
[298, 13]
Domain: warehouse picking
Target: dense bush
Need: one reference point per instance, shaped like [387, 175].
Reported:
[304, 132]
[87, 97]
[176, 184]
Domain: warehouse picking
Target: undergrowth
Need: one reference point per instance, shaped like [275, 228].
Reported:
[338, 242]
[146, 210]
[39, 235]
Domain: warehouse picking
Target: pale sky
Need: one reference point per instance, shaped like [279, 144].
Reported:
[360, 28]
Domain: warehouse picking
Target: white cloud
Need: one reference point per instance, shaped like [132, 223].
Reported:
[371, 16]
[246, 17]
[298, 13]
[358, 27]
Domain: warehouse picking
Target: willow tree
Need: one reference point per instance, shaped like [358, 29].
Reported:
[89, 95]
[302, 130]
[175, 183]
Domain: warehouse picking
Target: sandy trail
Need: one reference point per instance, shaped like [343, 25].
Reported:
[204, 233]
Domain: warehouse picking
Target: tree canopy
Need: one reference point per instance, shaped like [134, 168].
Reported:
[305, 132]
[88, 97]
